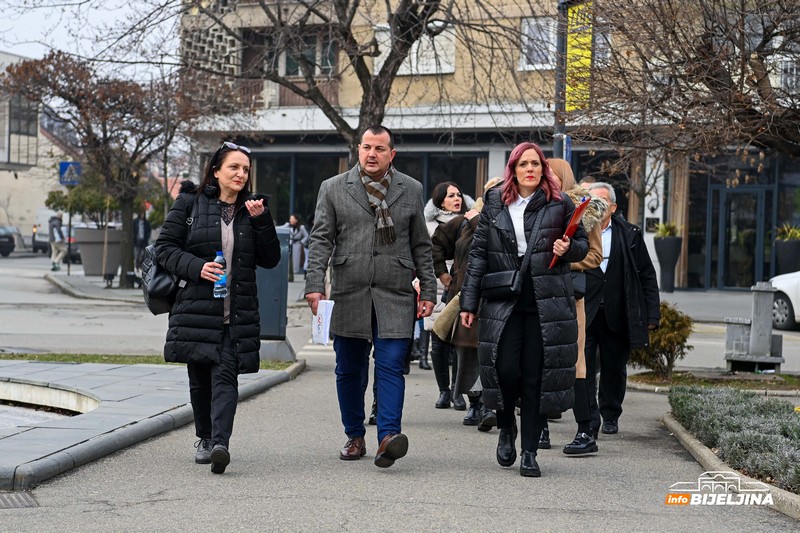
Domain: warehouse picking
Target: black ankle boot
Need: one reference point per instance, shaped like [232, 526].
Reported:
[544, 439]
[583, 444]
[528, 467]
[373, 415]
[458, 402]
[474, 412]
[444, 400]
[488, 419]
[506, 449]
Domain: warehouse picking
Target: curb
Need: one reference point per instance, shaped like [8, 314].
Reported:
[77, 293]
[785, 502]
[645, 387]
[27, 476]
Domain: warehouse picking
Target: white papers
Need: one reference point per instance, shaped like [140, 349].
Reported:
[321, 322]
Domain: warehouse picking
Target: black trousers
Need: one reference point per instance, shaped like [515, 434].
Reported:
[614, 352]
[214, 392]
[520, 354]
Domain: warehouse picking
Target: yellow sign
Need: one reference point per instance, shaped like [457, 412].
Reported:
[579, 55]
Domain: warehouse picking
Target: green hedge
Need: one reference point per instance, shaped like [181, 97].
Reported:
[756, 435]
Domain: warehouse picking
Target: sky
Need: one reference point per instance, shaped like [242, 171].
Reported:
[31, 28]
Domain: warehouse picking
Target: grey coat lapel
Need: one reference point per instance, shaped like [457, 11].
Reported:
[397, 187]
[356, 189]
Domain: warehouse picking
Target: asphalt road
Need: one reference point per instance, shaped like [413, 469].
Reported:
[285, 474]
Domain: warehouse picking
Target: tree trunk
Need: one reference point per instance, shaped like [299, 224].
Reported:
[126, 257]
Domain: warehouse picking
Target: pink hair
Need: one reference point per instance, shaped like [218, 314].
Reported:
[510, 189]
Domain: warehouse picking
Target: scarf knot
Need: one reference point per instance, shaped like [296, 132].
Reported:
[376, 194]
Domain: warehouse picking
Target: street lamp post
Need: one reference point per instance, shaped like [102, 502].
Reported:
[560, 127]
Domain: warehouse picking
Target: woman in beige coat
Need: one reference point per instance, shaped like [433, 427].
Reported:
[584, 441]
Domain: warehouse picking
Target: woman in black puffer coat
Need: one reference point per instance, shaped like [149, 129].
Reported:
[218, 338]
[527, 344]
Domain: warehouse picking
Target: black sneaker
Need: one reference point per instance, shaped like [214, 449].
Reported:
[203, 454]
[220, 458]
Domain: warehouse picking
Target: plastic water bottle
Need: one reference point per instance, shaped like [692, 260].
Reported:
[221, 285]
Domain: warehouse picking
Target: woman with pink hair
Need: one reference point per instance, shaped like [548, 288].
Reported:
[527, 330]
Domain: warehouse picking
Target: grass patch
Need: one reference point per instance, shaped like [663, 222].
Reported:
[777, 382]
[115, 359]
[756, 435]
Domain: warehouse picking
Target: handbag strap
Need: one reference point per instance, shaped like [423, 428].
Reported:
[537, 223]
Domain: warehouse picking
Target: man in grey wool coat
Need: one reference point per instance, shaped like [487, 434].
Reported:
[369, 226]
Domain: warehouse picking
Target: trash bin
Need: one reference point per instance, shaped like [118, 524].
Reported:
[273, 285]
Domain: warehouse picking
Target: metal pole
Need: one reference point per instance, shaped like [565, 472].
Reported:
[560, 128]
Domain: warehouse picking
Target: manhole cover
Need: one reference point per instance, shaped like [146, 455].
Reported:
[15, 500]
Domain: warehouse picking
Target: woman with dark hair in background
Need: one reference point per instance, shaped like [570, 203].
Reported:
[528, 339]
[217, 337]
[447, 201]
[452, 241]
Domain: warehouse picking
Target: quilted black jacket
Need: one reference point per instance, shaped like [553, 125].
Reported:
[195, 322]
[494, 249]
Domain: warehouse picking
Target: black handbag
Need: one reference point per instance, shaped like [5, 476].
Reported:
[507, 284]
[160, 287]
[578, 283]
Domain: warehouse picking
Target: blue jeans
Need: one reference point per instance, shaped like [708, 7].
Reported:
[352, 367]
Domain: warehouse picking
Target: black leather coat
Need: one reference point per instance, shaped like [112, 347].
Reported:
[195, 322]
[494, 249]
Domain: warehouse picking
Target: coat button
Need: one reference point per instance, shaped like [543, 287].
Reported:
[372, 285]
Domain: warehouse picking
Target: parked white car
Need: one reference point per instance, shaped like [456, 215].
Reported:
[786, 306]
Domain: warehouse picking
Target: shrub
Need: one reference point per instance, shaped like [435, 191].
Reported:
[668, 343]
[787, 232]
[759, 436]
[666, 229]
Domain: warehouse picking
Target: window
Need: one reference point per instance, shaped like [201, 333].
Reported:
[538, 43]
[790, 75]
[23, 116]
[318, 50]
[431, 54]
[602, 45]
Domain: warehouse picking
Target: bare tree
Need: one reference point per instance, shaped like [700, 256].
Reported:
[695, 77]
[119, 122]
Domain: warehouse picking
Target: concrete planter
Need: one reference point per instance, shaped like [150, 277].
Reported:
[668, 249]
[92, 241]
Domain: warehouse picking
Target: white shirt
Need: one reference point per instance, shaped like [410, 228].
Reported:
[517, 211]
[606, 235]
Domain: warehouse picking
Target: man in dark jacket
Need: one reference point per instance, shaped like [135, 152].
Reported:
[141, 238]
[622, 306]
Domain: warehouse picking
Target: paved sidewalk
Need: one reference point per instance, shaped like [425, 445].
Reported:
[126, 404]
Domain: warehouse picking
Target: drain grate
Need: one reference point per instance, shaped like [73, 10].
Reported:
[16, 500]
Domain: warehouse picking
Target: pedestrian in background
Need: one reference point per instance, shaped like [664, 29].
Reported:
[452, 241]
[298, 240]
[141, 238]
[217, 338]
[446, 202]
[528, 339]
[370, 227]
[58, 244]
[624, 290]
[584, 441]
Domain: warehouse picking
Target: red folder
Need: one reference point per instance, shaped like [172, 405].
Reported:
[573, 223]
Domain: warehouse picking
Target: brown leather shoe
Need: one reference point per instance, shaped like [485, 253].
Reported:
[392, 447]
[354, 448]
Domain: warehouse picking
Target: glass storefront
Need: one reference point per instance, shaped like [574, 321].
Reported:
[732, 218]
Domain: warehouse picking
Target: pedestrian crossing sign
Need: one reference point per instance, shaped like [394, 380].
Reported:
[69, 173]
